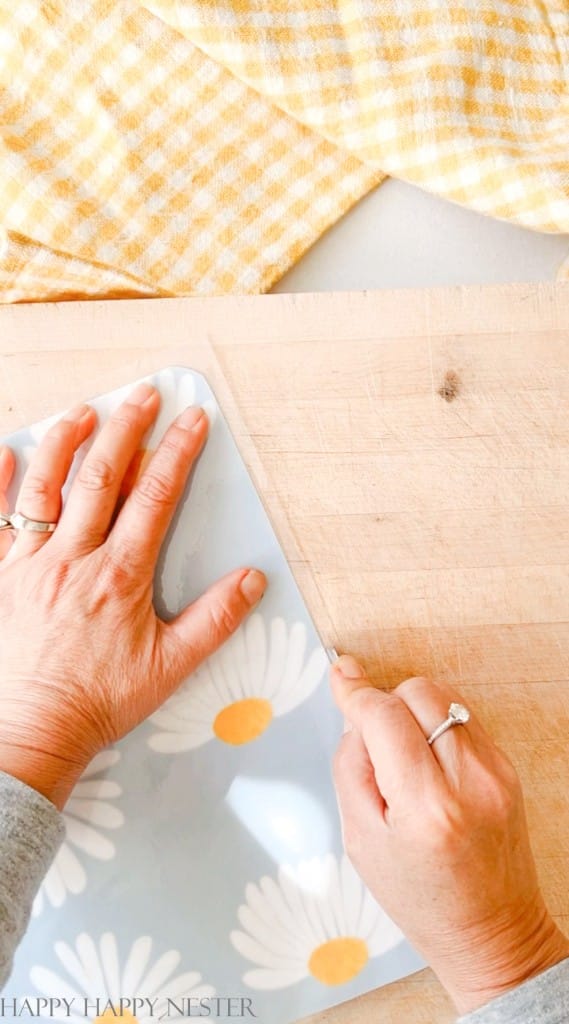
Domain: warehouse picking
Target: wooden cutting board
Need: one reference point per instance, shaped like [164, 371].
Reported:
[413, 448]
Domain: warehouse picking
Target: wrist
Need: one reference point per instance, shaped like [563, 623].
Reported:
[503, 960]
[45, 743]
[53, 774]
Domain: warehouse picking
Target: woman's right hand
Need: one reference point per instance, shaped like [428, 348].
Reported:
[439, 835]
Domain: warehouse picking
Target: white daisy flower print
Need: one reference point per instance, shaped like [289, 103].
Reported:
[317, 920]
[95, 971]
[260, 673]
[88, 815]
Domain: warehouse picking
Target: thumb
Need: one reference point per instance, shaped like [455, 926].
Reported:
[207, 623]
[359, 800]
[398, 750]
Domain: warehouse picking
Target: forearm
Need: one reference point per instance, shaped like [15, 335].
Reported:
[541, 1000]
[31, 831]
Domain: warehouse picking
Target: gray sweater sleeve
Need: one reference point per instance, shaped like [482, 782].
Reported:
[31, 831]
[541, 1000]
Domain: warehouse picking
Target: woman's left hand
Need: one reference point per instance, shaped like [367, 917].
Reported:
[83, 656]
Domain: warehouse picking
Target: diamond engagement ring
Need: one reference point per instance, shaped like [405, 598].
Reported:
[17, 521]
[457, 715]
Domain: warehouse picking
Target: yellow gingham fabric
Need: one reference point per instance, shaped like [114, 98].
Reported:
[171, 147]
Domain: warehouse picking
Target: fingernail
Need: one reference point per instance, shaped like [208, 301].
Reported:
[253, 586]
[349, 667]
[142, 394]
[190, 417]
[80, 412]
[347, 727]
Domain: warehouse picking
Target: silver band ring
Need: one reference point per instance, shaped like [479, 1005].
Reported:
[457, 715]
[16, 521]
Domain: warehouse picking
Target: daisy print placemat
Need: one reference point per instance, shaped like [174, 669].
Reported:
[203, 861]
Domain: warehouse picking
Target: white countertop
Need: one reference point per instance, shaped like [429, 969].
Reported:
[400, 237]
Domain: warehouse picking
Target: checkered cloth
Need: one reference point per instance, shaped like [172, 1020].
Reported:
[172, 147]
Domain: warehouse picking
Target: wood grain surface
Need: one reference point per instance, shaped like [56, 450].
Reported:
[413, 450]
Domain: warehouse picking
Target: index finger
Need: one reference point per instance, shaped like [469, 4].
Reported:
[143, 521]
[7, 467]
[404, 764]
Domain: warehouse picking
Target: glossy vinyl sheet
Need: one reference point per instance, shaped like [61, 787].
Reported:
[203, 854]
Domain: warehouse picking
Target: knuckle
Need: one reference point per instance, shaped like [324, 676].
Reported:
[366, 699]
[391, 701]
[61, 431]
[412, 687]
[52, 580]
[224, 618]
[125, 418]
[97, 474]
[174, 447]
[91, 538]
[114, 573]
[154, 489]
[38, 488]
[374, 705]
[444, 831]
[174, 441]
[500, 797]
[169, 453]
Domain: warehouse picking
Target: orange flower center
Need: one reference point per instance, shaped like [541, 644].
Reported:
[122, 1018]
[338, 961]
[243, 721]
